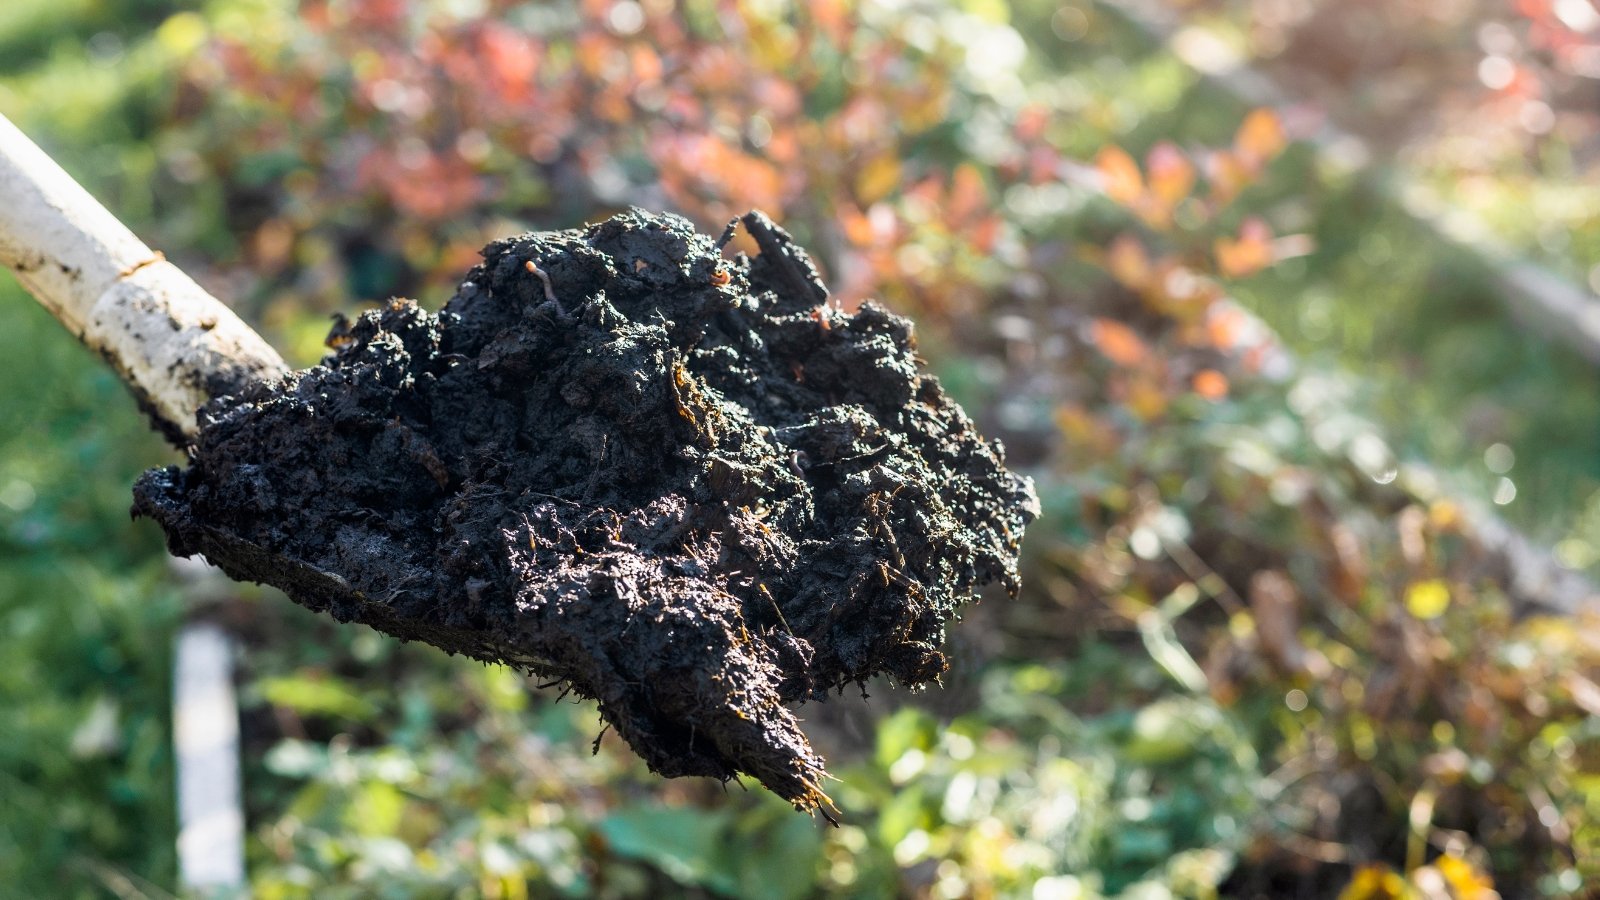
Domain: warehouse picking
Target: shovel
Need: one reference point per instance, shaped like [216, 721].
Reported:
[689, 487]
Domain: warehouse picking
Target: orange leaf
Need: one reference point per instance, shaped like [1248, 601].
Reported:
[833, 18]
[1032, 121]
[1225, 326]
[1119, 175]
[785, 147]
[857, 227]
[1227, 174]
[984, 234]
[510, 57]
[645, 64]
[1260, 138]
[968, 194]
[592, 50]
[1128, 263]
[1238, 259]
[1118, 342]
[1248, 255]
[1211, 384]
[1171, 173]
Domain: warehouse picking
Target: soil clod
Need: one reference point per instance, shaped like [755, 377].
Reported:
[684, 486]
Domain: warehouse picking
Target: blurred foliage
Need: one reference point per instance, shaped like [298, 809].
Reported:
[1512, 128]
[86, 614]
[1262, 649]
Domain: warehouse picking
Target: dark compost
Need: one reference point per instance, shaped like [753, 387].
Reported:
[687, 487]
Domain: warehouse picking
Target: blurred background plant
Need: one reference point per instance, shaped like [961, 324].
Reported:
[1265, 646]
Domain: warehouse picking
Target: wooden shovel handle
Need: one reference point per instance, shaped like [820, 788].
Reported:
[174, 345]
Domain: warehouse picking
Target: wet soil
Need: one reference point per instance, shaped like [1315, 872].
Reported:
[684, 486]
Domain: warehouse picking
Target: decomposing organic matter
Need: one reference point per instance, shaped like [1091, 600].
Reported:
[687, 487]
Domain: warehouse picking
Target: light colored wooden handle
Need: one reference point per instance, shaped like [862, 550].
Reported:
[174, 345]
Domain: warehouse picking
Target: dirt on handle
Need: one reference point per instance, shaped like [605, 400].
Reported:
[688, 488]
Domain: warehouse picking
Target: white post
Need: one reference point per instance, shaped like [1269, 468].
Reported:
[205, 726]
[175, 345]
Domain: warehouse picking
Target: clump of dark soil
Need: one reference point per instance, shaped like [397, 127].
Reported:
[688, 488]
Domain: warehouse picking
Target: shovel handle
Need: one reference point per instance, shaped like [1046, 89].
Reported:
[174, 345]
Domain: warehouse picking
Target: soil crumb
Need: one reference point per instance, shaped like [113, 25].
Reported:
[687, 487]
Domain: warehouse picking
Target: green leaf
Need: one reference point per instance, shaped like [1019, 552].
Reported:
[1167, 731]
[685, 844]
[779, 857]
[317, 697]
[375, 809]
[907, 729]
[900, 815]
